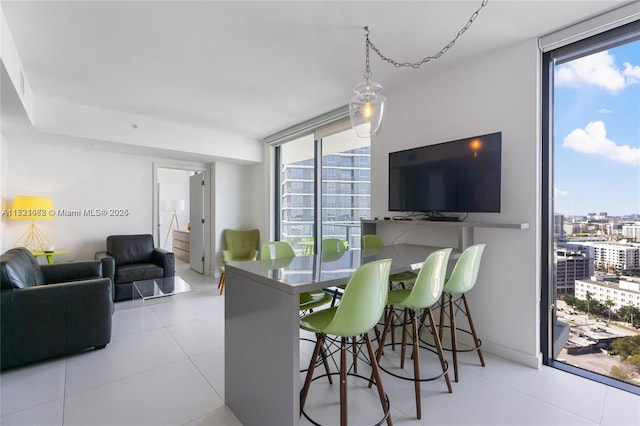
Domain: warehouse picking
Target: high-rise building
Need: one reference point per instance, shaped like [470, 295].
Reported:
[558, 226]
[571, 265]
[631, 232]
[622, 293]
[346, 196]
[617, 256]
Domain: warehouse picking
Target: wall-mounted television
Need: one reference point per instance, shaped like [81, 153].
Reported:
[461, 176]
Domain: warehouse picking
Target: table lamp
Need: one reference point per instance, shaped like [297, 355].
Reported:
[26, 207]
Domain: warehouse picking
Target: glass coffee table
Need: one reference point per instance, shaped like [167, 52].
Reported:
[160, 287]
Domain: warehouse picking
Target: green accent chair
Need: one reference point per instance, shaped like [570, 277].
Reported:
[463, 278]
[424, 294]
[241, 246]
[362, 304]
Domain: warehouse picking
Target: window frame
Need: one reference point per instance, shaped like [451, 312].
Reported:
[611, 38]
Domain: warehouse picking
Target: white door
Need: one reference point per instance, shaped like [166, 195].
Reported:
[196, 217]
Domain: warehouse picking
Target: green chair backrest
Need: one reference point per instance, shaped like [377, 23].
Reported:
[363, 301]
[427, 288]
[333, 245]
[240, 245]
[371, 241]
[465, 272]
[276, 250]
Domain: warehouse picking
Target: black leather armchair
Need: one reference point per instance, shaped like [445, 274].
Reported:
[51, 310]
[131, 258]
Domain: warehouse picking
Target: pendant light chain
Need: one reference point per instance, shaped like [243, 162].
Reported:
[426, 59]
[367, 72]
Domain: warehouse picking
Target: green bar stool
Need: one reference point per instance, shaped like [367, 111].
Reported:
[462, 279]
[402, 279]
[363, 302]
[283, 250]
[334, 246]
[424, 294]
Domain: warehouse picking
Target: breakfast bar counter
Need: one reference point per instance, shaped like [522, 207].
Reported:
[262, 353]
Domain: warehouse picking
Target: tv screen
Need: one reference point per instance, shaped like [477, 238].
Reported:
[461, 176]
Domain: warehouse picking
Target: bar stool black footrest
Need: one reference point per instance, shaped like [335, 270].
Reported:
[468, 349]
[386, 413]
[411, 379]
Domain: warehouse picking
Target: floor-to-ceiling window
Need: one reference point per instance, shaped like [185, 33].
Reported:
[346, 186]
[296, 195]
[323, 186]
[591, 200]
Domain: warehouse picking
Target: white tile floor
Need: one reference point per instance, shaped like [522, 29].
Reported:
[165, 366]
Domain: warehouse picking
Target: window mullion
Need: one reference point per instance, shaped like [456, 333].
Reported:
[317, 230]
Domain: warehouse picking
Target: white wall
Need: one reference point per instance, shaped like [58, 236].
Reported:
[497, 93]
[78, 178]
[238, 201]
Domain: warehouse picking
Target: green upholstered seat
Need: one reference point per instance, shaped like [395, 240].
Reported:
[241, 246]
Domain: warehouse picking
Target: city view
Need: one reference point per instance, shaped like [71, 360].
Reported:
[596, 172]
[597, 267]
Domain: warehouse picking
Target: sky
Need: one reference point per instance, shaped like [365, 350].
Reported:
[597, 133]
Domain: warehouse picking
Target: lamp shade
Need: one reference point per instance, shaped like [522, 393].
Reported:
[27, 207]
[366, 109]
[174, 205]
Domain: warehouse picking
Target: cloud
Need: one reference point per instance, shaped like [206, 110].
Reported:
[557, 192]
[632, 72]
[604, 111]
[593, 140]
[598, 69]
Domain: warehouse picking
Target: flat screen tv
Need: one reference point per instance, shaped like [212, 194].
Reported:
[461, 176]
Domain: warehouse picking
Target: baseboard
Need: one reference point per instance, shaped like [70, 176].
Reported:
[527, 359]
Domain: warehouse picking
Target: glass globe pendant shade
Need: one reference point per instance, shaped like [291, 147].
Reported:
[366, 109]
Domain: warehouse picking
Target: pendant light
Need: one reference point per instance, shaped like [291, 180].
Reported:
[366, 108]
[367, 105]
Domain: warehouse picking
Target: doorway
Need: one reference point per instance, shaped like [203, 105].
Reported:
[173, 209]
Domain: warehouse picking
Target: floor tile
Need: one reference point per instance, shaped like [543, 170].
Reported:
[121, 358]
[49, 414]
[211, 365]
[621, 408]
[32, 385]
[173, 394]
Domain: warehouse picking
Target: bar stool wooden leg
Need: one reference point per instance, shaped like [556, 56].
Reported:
[476, 340]
[221, 283]
[454, 343]
[416, 363]
[343, 382]
[312, 366]
[438, 343]
[376, 375]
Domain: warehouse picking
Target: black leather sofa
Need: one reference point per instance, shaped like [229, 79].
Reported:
[51, 310]
[131, 258]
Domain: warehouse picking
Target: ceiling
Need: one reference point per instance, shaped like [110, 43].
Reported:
[254, 68]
